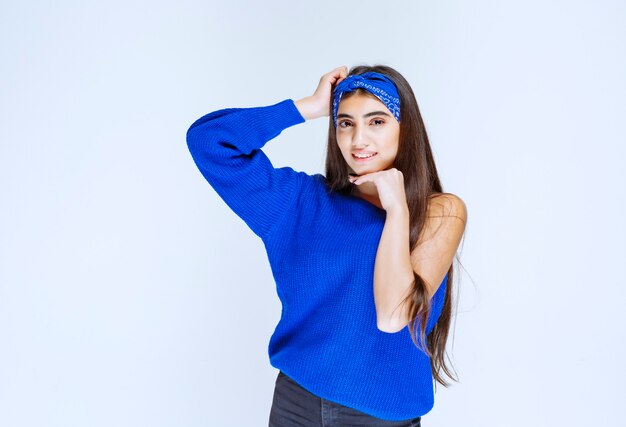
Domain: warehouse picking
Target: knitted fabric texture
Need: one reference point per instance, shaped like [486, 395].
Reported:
[321, 247]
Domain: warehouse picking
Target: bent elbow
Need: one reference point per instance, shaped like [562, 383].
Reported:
[192, 138]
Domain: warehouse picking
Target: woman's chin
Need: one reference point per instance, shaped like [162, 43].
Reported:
[365, 170]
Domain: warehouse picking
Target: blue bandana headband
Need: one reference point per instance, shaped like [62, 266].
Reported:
[378, 84]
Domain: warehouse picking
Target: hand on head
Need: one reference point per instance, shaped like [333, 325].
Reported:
[318, 104]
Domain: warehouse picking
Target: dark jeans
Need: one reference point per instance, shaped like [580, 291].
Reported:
[294, 406]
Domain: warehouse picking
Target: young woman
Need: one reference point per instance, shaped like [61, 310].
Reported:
[362, 256]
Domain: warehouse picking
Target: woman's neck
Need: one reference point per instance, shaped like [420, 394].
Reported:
[367, 191]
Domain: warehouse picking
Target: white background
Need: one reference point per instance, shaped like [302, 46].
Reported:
[130, 295]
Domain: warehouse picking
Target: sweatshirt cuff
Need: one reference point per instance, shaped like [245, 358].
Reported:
[286, 114]
[265, 123]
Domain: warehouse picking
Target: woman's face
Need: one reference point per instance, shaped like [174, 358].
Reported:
[367, 134]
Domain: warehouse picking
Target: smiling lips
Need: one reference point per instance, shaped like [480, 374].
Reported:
[363, 156]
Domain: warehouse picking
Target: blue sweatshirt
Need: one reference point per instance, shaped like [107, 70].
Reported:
[321, 247]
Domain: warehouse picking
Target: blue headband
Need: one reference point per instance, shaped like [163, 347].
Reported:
[378, 84]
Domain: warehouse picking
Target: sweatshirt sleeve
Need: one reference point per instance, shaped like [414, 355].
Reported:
[226, 147]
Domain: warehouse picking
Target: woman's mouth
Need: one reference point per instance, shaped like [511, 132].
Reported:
[362, 158]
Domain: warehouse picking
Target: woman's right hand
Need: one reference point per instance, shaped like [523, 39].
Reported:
[318, 104]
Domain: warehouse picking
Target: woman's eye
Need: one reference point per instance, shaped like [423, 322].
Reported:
[375, 121]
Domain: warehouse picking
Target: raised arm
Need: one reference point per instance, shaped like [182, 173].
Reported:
[226, 147]
[431, 259]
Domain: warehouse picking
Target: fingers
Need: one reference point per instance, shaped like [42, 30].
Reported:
[338, 74]
[343, 73]
[360, 179]
[320, 97]
[373, 176]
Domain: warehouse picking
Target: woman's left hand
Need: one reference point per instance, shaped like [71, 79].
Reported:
[390, 186]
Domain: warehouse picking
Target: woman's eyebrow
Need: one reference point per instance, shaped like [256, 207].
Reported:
[373, 113]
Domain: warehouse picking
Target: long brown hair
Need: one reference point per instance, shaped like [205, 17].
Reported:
[421, 182]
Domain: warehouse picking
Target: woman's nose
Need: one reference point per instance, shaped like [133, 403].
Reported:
[358, 139]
